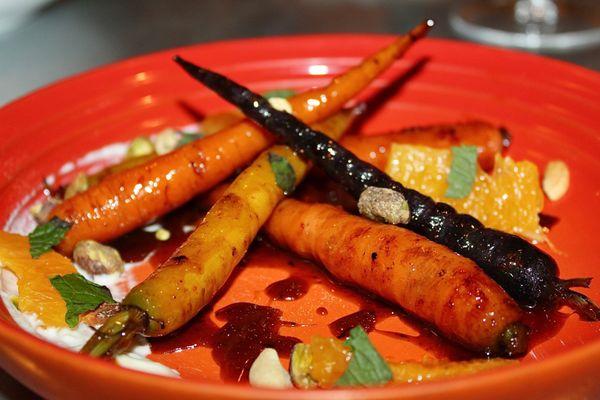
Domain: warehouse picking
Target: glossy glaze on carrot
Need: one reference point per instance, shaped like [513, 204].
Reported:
[427, 279]
[129, 199]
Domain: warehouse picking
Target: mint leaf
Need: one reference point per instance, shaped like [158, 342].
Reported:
[80, 295]
[285, 176]
[462, 172]
[187, 138]
[47, 235]
[283, 93]
[366, 367]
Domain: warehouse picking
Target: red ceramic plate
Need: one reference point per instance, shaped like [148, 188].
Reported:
[550, 107]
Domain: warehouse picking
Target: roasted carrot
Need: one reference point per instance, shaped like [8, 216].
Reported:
[488, 138]
[430, 370]
[180, 287]
[427, 279]
[211, 124]
[214, 123]
[122, 166]
[131, 198]
[313, 105]
[189, 279]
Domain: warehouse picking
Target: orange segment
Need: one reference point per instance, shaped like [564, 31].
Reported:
[509, 199]
[36, 293]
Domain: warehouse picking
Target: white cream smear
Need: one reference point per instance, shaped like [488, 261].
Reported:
[74, 339]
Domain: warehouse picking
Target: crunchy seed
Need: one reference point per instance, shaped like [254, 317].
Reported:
[166, 141]
[41, 211]
[77, 185]
[556, 180]
[96, 258]
[140, 146]
[384, 205]
[281, 104]
[266, 371]
[162, 234]
[300, 362]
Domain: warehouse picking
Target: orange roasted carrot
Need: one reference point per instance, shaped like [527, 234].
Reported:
[131, 198]
[488, 138]
[425, 278]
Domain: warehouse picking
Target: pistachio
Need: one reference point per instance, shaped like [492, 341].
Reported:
[267, 372]
[41, 211]
[77, 185]
[140, 146]
[36, 209]
[96, 258]
[556, 180]
[300, 363]
[162, 234]
[384, 205]
[166, 141]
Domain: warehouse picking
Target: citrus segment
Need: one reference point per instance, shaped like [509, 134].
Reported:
[36, 293]
[509, 199]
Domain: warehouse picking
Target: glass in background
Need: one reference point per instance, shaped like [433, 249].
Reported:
[541, 25]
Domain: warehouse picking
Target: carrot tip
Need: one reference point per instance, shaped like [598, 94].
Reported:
[117, 334]
[421, 30]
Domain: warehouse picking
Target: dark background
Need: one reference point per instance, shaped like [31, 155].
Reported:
[71, 36]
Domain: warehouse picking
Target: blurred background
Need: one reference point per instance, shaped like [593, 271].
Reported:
[45, 40]
[42, 41]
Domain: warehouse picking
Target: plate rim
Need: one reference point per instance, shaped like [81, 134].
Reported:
[9, 332]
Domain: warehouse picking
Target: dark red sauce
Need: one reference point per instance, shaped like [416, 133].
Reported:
[249, 328]
[199, 332]
[544, 324]
[138, 245]
[548, 221]
[365, 318]
[288, 289]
